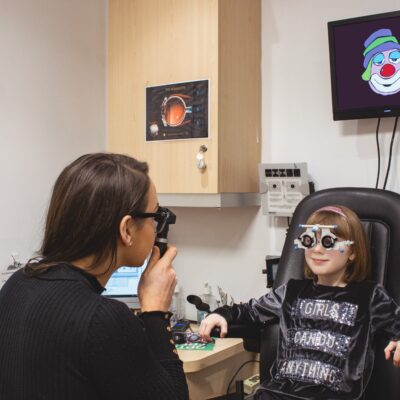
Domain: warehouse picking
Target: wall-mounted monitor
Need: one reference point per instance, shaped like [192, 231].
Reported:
[365, 66]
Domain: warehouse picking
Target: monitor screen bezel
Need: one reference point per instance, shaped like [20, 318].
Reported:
[364, 112]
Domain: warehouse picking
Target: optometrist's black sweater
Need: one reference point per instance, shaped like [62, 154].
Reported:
[61, 340]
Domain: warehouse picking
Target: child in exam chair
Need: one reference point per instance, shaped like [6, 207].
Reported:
[328, 321]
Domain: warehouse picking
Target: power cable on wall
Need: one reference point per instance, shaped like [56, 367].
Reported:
[390, 152]
[379, 153]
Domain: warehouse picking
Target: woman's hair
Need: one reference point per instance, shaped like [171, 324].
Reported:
[349, 227]
[90, 197]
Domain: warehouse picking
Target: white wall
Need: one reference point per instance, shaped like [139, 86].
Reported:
[227, 247]
[52, 106]
[52, 109]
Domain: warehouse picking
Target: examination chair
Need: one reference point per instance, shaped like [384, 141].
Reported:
[379, 212]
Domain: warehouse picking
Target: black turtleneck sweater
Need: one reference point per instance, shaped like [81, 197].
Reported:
[61, 340]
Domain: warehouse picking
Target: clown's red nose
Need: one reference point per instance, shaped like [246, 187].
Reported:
[387, 70]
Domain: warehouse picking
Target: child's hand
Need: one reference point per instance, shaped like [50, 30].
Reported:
[209, 323]
[395, 347]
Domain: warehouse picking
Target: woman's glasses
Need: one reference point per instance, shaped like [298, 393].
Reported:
[162, 216]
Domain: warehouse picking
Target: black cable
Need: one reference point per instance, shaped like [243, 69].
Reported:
[234, 376]
[379, 153]
[390, 152]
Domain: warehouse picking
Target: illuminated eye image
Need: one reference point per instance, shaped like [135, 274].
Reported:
[394, 57]
[378, 59]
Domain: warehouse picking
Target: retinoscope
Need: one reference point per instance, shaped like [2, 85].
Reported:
[164, 218]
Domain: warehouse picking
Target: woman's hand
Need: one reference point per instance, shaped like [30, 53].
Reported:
[393, 346]
[158, 281]
[209, 323]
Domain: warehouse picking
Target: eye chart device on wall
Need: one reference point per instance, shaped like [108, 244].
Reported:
[123, 285]
[282, 186]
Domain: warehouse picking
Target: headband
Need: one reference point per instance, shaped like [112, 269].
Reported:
[333, 209]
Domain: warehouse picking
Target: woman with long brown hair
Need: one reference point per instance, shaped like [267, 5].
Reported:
[59, 338]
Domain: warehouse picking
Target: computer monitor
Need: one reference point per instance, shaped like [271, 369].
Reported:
[123, 285]
[365, 66]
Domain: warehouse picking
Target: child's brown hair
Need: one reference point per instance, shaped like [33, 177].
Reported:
[348, 227]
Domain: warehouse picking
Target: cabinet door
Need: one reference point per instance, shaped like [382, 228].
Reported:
[156, 42]
[239, 92]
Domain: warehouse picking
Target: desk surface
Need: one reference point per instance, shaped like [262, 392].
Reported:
[196, 360]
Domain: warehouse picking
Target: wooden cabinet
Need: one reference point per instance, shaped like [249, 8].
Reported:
[156, 42]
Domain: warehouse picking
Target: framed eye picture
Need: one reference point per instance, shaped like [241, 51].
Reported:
[177, 111]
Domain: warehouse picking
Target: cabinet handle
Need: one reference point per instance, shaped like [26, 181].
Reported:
[200, 162]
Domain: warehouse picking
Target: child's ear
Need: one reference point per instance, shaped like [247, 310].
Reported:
[352, 257]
